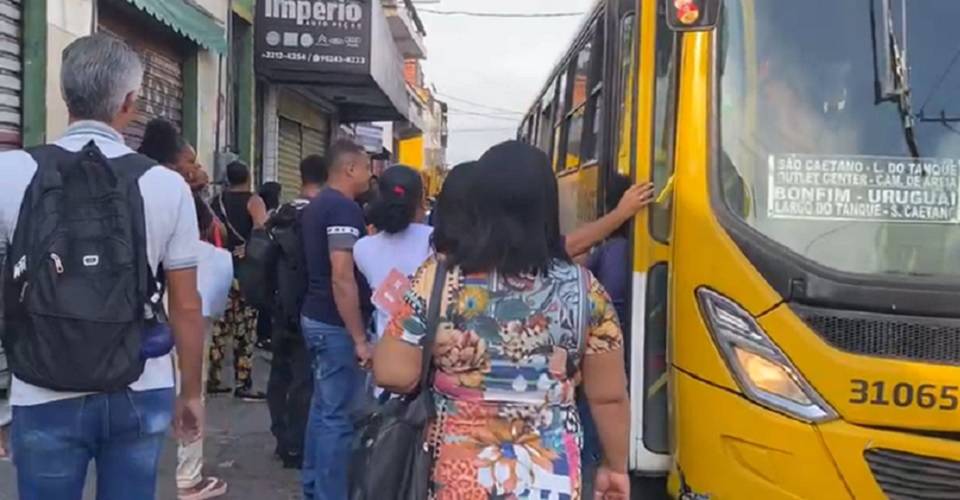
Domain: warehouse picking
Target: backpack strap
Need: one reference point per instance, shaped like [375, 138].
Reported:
[48, 155]
[132, 165]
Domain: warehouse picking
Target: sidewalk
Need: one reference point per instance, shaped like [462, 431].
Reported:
[239, 449]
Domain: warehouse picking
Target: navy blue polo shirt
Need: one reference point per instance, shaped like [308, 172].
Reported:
[332, 222]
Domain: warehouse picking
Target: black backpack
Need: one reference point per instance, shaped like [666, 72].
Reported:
[77, 284]
[292, 279]
[273, 273]
[255, 271]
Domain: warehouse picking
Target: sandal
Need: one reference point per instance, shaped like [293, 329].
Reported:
[209, 487]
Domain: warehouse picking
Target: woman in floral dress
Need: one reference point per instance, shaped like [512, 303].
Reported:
[520, 326]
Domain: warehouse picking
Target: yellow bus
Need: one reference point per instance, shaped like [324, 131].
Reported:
[795, 293]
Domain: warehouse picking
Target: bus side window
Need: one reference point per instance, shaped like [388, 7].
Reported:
[664, 127]
[559, 124]
[593, 125]
[623, 159]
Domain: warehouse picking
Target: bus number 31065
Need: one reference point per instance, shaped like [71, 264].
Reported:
[926, 396]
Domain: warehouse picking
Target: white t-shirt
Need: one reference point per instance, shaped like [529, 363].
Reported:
[171, 224]
[377, 255]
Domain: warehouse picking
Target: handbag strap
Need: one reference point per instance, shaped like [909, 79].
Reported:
[226, 221]
[433, 323]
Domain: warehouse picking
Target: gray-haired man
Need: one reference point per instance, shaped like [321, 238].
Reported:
[55, 434]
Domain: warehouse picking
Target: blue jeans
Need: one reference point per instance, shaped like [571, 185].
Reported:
[337, 389]
[123, 432]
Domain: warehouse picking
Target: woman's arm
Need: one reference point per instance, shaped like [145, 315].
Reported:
[396, 365]
[581, 240]
[257, 209]
[605, 384]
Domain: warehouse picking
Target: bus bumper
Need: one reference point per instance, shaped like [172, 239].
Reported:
[730, 448]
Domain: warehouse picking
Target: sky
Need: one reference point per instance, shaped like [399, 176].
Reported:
[500, 63]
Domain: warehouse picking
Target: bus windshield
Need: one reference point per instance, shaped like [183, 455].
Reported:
[840, 130]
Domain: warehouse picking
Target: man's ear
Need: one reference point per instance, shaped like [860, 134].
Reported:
[130, 103]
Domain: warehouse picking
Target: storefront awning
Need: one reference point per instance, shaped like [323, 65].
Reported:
[187, 19]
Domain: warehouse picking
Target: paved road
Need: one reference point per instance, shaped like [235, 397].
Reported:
[239, 449]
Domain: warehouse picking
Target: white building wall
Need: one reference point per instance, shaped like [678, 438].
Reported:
[68, 20]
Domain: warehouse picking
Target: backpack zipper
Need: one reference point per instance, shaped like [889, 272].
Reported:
[57, 263]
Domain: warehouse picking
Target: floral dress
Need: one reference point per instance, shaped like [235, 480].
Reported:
[508, 352]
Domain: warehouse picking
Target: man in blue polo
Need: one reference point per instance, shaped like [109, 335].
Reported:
[333, 321]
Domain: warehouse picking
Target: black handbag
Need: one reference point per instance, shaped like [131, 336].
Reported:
[390, 458]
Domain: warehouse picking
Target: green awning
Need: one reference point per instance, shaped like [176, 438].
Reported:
[187, 19]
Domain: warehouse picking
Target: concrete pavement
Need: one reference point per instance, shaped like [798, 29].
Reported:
[239, 449]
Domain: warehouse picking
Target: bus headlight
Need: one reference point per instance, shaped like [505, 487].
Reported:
[762, 370]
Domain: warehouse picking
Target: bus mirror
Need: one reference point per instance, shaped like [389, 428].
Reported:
[692, 15]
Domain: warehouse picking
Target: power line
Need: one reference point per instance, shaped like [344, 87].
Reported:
[477, 104]
[512, 114]
[456, 111]
[470, 130]
[943, 77]
[480, 112]
[518, 15]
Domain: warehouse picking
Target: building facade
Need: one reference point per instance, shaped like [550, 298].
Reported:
[268, 82]
[424, 148]
[182, 44]
[333, 70]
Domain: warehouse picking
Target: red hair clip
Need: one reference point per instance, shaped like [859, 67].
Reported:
[399, 190]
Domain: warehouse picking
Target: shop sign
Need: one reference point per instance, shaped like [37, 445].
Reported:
[298, 41]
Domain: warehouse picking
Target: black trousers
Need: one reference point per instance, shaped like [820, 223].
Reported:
[289, 391]
[264, 326]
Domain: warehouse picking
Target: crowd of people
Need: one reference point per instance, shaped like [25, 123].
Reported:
[528, 360]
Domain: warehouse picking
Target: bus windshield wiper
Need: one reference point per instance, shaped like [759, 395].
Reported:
[897, 86]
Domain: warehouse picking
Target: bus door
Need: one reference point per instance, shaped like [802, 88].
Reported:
[644, 150]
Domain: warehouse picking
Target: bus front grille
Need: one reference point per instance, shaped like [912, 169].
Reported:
[904, 476]
[929, 340]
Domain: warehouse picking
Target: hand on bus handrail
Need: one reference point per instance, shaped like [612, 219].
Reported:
[636, 199]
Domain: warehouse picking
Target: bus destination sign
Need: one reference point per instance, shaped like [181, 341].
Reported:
[862, 188]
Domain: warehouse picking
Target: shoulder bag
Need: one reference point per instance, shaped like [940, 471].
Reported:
[391, 458]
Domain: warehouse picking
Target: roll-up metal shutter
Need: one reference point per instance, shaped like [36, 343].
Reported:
[11, 73]
[298, 141]
[290, 147]
[162, 91]
[314, 140]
